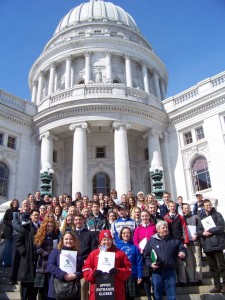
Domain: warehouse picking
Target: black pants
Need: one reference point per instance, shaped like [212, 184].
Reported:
[28, 291]
[15, 261]
[216, 264]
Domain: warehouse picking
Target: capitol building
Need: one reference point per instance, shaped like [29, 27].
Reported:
[99, 116]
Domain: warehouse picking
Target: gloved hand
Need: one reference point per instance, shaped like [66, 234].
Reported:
[113, 271]
[97, 273]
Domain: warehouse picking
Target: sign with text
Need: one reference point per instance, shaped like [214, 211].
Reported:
[105, 287]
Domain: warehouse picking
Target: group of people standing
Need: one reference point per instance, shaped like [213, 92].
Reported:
[154, 244]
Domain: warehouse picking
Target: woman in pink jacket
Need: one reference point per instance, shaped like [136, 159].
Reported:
[121, 271]
[142, 234]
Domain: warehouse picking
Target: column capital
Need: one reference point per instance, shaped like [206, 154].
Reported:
[108, 52]
[87, 53]
[82, 125]
[128, 56]
[153, 132]
[68, 57]
[117, 125]
[48, 135]
[35, 83]
[42, 73]
[52, 64]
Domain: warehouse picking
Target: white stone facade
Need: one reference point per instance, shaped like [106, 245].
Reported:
[98, 84]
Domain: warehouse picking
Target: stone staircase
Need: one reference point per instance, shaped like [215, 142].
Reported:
[11, 292]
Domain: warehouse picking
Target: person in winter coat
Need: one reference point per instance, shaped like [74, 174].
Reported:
[193, 260]
[67, 242]
[134, 256]
[213, 242]
[121, 271]
[164, 261]
[7, 234]
[142, 234]
[43, 240]
[28, 257]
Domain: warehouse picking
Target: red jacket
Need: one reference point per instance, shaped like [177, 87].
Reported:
[177, 228]
[122, 263]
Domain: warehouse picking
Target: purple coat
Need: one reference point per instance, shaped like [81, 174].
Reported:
[54, 270]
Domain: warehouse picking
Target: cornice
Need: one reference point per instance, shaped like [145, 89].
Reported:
[81, 109]
[72, 45]
[194, 111]
[15, 120]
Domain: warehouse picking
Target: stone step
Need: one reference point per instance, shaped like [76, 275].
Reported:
[10, 296]
[192, 297]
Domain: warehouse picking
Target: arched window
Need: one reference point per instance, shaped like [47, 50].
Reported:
[81, 82]
[101, 184]
[200, 174]
[4, 176]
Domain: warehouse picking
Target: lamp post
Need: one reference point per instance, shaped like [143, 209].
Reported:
[157, 175]
[46, 175]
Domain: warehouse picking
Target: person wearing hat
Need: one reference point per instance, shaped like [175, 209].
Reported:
[198, 208]
[121, 271]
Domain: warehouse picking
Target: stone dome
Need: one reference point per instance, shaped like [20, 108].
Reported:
[96, 10]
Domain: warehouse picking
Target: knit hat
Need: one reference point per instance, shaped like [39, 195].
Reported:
[104, 234]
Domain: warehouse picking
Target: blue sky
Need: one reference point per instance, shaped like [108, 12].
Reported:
[188, 35]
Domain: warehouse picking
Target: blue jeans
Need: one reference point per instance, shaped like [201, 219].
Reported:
[161, 278]
[7, 254]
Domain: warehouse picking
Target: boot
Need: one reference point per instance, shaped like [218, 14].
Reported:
[217, 289]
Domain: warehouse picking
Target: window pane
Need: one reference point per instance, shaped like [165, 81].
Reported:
[201, 178]
[11, 142]
[4, 174]
[188, 138]
[100, 152]
[101, 184]
[199, 133]
[1, 138]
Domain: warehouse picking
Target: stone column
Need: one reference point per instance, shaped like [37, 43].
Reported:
[162, 89]
[79, 168]
[145, 78]
[122, 167]
[34, 92]
[128, 70]
[154, 151]
[46, 149]
[40, 87]
[51, 84]
[108, 64]
[156, 84]
[68, 72]
[87, 74]
[35, 164]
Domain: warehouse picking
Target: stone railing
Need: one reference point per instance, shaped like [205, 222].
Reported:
[80, 92]
[17, 103]
[201, 89]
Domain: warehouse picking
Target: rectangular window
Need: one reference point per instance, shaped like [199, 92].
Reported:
[188, 138]
[199, 133]
[100, 152]
[55, 156]
[1, 138]
[146, 154]
[11, 142]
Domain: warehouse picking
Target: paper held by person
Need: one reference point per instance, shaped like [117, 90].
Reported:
[106, 261]
[68, 261]
[208, 223]
[143, 243]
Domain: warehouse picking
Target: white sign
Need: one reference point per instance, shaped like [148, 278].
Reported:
[106, 261]
[68, 261]
[143, 243]
[208, 223]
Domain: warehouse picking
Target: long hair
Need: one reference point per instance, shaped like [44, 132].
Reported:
[65, 225]
[41, 233]
[11, 203]
[76, 246]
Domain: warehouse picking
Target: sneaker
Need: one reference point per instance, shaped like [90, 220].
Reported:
[216, 289]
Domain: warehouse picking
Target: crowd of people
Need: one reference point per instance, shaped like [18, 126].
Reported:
[158, 246]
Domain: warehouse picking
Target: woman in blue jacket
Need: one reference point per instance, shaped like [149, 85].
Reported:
[67, 242]
[127, 246]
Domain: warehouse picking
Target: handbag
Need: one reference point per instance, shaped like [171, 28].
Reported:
[66, 290]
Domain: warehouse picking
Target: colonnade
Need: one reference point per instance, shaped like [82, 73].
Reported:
[38, 84]
[121, 154]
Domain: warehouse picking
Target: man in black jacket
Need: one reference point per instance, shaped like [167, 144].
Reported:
[164, 263]
[210, 229]
[27, 251]
[88, 243]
